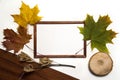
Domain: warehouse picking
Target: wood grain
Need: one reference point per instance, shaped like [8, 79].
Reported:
[11, 69]
[100, 64]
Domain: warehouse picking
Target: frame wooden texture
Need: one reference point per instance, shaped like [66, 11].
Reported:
[57, 56]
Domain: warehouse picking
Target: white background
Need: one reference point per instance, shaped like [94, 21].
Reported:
[59, 39]
[71, 10]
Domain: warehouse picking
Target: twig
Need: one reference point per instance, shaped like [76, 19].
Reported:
[62, 65]
[50, 65]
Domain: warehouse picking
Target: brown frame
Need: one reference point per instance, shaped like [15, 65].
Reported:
[57, 56]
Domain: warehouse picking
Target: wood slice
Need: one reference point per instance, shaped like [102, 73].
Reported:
[100, 64]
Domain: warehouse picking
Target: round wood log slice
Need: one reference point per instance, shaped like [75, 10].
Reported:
[100, 64]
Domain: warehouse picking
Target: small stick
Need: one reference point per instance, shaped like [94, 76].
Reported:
[50, 65]
[62, 65]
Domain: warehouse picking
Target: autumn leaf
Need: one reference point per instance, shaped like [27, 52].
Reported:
[27, 15]
[34, 18]
[20, 20]
[15, 41]
[97, 32]
[23, 32]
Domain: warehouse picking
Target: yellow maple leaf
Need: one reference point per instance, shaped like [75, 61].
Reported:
[20, 20]
[27, 15]
[34, 18]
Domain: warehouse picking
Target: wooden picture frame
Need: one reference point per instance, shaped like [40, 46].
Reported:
[38, 54]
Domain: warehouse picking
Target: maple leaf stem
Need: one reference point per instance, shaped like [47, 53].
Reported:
[32, 49]
[29, 47]
[82, 48]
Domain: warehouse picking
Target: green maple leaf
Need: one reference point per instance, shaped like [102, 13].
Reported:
[97, 32]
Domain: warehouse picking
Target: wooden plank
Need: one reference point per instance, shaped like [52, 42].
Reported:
[11, 69]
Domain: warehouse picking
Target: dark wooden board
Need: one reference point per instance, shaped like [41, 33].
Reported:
[11, 69]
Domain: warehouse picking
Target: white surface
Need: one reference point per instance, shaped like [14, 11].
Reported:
[59, 39]
[71, 10]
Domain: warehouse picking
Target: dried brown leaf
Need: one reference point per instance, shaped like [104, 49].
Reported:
[15, 41]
